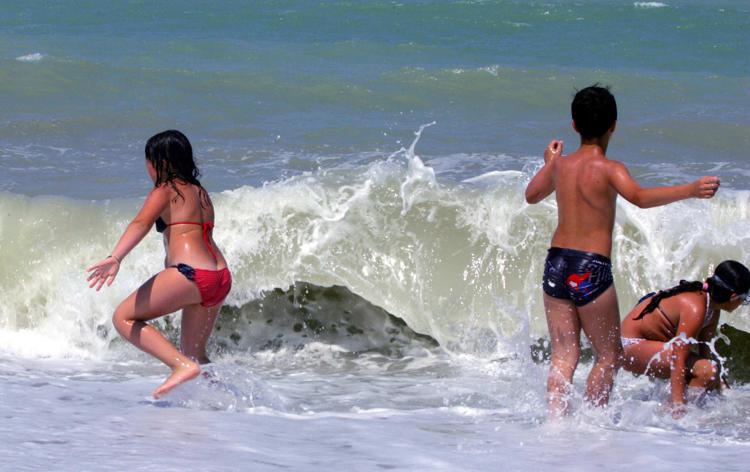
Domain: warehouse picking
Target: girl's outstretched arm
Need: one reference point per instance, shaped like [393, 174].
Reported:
[106, 270]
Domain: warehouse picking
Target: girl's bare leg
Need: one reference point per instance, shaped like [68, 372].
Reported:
[647, 357]
[652, 358]
[600, 320]
[164, 293]
[197, 326]
[704, 373]
[564, 332]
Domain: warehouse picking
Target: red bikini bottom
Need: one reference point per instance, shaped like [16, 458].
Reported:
[213, 285]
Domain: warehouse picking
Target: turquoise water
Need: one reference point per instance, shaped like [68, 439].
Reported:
[270, 89]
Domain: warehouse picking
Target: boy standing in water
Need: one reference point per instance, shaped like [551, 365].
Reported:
[577, 284]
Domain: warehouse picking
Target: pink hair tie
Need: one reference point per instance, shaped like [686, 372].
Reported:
[705, 286]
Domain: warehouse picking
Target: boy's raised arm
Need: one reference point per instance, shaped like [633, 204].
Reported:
[626, 185]
[543, 184]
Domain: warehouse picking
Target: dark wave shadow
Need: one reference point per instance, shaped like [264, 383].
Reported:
[307, 313]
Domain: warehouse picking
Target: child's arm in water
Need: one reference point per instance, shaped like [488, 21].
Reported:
[691, 318]
[706, 337]
[106, 269]
[543, 182]
[625, 185]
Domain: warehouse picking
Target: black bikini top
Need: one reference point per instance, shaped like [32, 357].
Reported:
[160, 225]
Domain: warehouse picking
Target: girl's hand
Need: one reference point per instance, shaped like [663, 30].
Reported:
[553, 150]
[678, 410]
[103, 271]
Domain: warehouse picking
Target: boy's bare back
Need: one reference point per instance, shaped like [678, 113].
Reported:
[586, 184]
[585, 201]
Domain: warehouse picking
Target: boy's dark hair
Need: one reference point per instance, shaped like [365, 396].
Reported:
[594, 111]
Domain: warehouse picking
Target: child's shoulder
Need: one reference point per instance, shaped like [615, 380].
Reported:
[173, 186]
[595, 162]
[162, 190]
[613, 166]
[691, 303]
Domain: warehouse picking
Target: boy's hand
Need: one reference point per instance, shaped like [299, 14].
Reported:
[554, 150]
[706, 187]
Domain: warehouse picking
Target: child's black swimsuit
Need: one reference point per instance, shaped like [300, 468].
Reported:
[576, 275]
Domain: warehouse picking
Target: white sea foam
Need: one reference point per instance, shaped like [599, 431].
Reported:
[649, 5]
[492, 70]
[35, 57]
[456, 262]
[451, 416]
[493, 176]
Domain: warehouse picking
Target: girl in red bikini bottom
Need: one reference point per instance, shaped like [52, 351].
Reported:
[196, 279]
[213, 285]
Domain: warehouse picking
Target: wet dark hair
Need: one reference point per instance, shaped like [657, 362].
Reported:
[171, 155]
[729, 277]
[594, 110]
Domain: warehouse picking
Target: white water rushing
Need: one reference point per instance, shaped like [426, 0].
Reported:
[458, 262]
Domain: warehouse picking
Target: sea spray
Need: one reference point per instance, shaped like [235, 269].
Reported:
[460, 262]
[464, 260]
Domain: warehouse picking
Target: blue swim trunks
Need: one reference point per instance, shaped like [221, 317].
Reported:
[576, 275]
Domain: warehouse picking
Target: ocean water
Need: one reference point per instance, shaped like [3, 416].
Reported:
[367, 160]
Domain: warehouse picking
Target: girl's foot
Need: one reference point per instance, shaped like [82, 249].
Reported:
[182, 373]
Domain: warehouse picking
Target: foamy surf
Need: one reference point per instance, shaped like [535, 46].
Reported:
[458, 262]
[34, 57]
[649, 5]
